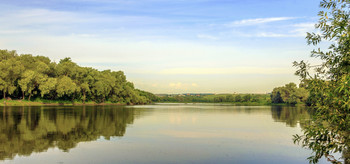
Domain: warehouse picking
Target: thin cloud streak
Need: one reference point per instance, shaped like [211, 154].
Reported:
[204, 36]
[223, 71]
[250, 22]
[289, 31]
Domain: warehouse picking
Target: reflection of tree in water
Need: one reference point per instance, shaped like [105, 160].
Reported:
[25, 130]
[319, 136]
[290, 115]
[325, 139]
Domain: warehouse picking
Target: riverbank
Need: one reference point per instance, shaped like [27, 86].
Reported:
[236, 103]
[228, 103]
[77, 103]
[51, 103]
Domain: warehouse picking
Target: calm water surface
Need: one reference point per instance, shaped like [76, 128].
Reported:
[163, 133]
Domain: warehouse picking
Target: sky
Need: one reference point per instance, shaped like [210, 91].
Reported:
[169, 46]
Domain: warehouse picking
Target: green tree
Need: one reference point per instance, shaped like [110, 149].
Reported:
[246, 98]
[290, 94]
[329, 87]
[238, 98]
[230, 98]
[10, 72]
[84, 80]
[276, 97]
[104, 83]
[27, 83]
[48, 84]
[65, 86]
[66, 68]
[5, 54]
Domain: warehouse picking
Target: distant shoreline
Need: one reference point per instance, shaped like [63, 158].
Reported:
[230, 103]
[53, 103]
[90, 103]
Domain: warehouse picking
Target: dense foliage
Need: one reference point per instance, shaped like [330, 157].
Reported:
[217, 98]
[27, 76]
[289, 94]
[329, 87]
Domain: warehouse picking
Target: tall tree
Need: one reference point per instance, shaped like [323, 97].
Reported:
[330, 85]
[10, 72]
[66, 68]
[84, 80]
[27, 83]
[289, 93]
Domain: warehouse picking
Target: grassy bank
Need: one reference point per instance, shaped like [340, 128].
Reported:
[4, 102]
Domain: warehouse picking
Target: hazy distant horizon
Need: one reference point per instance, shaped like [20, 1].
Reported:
[165, 47]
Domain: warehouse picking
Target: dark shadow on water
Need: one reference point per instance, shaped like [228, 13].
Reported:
[324, 139]
[24, 130]
[291, 115]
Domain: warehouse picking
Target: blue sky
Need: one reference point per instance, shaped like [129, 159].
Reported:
[164, 46]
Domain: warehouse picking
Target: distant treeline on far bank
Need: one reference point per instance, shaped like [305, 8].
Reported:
[288, 94]
[216, 98]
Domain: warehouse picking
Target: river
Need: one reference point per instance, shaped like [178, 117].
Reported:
[161, 133]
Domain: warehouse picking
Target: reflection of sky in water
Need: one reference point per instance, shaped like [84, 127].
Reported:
[190, 134]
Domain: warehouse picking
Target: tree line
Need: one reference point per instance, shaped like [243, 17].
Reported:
[218, 98]
[26, 77]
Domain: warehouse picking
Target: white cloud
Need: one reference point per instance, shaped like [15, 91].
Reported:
[11, 32]
[302, 28]
[297, 30]
[282, 31]
[180, 85]
[176, 85]
[85, 35]
[53, 22]
[249, 22]
[276, 35]
[233, 70]
[204, 36]
[19, 18]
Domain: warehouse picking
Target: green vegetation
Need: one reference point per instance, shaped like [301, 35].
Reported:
[248, 99]
[37, 77]
[329, 87]
[289, 94]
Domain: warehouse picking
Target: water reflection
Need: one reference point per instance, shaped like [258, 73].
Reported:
[325, 140]
[198, 133]
[319, 136]
[24, 130]
[290, 115]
